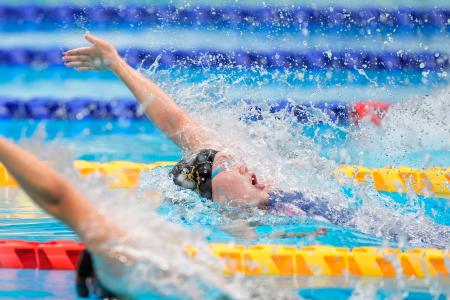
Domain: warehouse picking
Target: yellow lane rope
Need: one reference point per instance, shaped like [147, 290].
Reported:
[330, 261]
[430, 182]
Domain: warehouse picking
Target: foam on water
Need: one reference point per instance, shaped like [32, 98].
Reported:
[413, 132]
[149, 259]
[281, 155]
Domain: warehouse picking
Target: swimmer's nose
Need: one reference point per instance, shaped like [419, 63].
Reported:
[243, 169]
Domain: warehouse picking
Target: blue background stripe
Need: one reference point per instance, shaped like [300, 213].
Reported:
[87, 108]
[407, 18]
[283, 59]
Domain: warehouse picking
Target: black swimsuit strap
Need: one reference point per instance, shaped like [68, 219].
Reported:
[87, 282]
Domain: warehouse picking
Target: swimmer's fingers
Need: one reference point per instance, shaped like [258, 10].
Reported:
[80, 51]
[312, 234]
[321, 231]
[80, 64]
[85, 68]
[95, 40]
[83, 58]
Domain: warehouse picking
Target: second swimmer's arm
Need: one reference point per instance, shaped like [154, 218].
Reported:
[54, 193]
[159, 107]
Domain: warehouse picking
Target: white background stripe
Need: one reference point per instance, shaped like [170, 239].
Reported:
[227, 40]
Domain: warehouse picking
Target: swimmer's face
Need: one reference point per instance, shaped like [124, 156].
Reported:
[236, 185]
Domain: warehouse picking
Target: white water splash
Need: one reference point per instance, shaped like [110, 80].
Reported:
[150, 259]
[279, 153]
[413, 132]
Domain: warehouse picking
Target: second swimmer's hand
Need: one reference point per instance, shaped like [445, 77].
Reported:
[100, 56]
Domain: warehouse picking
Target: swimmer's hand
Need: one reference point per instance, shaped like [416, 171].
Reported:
[241, 229]
[309, 234]
[100, 56]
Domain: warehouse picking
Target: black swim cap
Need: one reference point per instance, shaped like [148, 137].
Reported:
[195, 174]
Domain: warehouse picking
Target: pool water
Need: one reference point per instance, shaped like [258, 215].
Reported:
[59, 285]
[108, 140]
[414, 133]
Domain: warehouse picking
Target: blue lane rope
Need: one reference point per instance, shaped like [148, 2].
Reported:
[296, 18]
[86, 108]
[280, 59]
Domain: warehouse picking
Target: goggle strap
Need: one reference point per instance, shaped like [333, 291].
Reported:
[215, 172]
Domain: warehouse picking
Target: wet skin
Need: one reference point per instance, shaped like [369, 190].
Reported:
[237, 185]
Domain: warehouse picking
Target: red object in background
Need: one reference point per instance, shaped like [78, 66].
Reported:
[55, 255]
[59, 255]
[374, 110]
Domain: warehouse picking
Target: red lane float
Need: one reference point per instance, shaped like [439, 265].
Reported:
[54, 255]
[372, 110]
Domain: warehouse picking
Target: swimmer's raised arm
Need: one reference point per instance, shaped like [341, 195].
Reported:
[55, 194]
[159, 106]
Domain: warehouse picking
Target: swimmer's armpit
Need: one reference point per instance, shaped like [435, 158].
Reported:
[308, 234]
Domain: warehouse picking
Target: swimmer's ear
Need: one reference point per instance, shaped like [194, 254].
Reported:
[91, 38]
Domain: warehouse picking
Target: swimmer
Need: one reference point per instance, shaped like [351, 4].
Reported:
[211, 172]
[56, 195]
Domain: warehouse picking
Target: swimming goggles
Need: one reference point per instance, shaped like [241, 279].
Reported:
[227, 165]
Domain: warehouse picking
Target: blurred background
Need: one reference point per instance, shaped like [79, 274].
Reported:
[340, 52]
